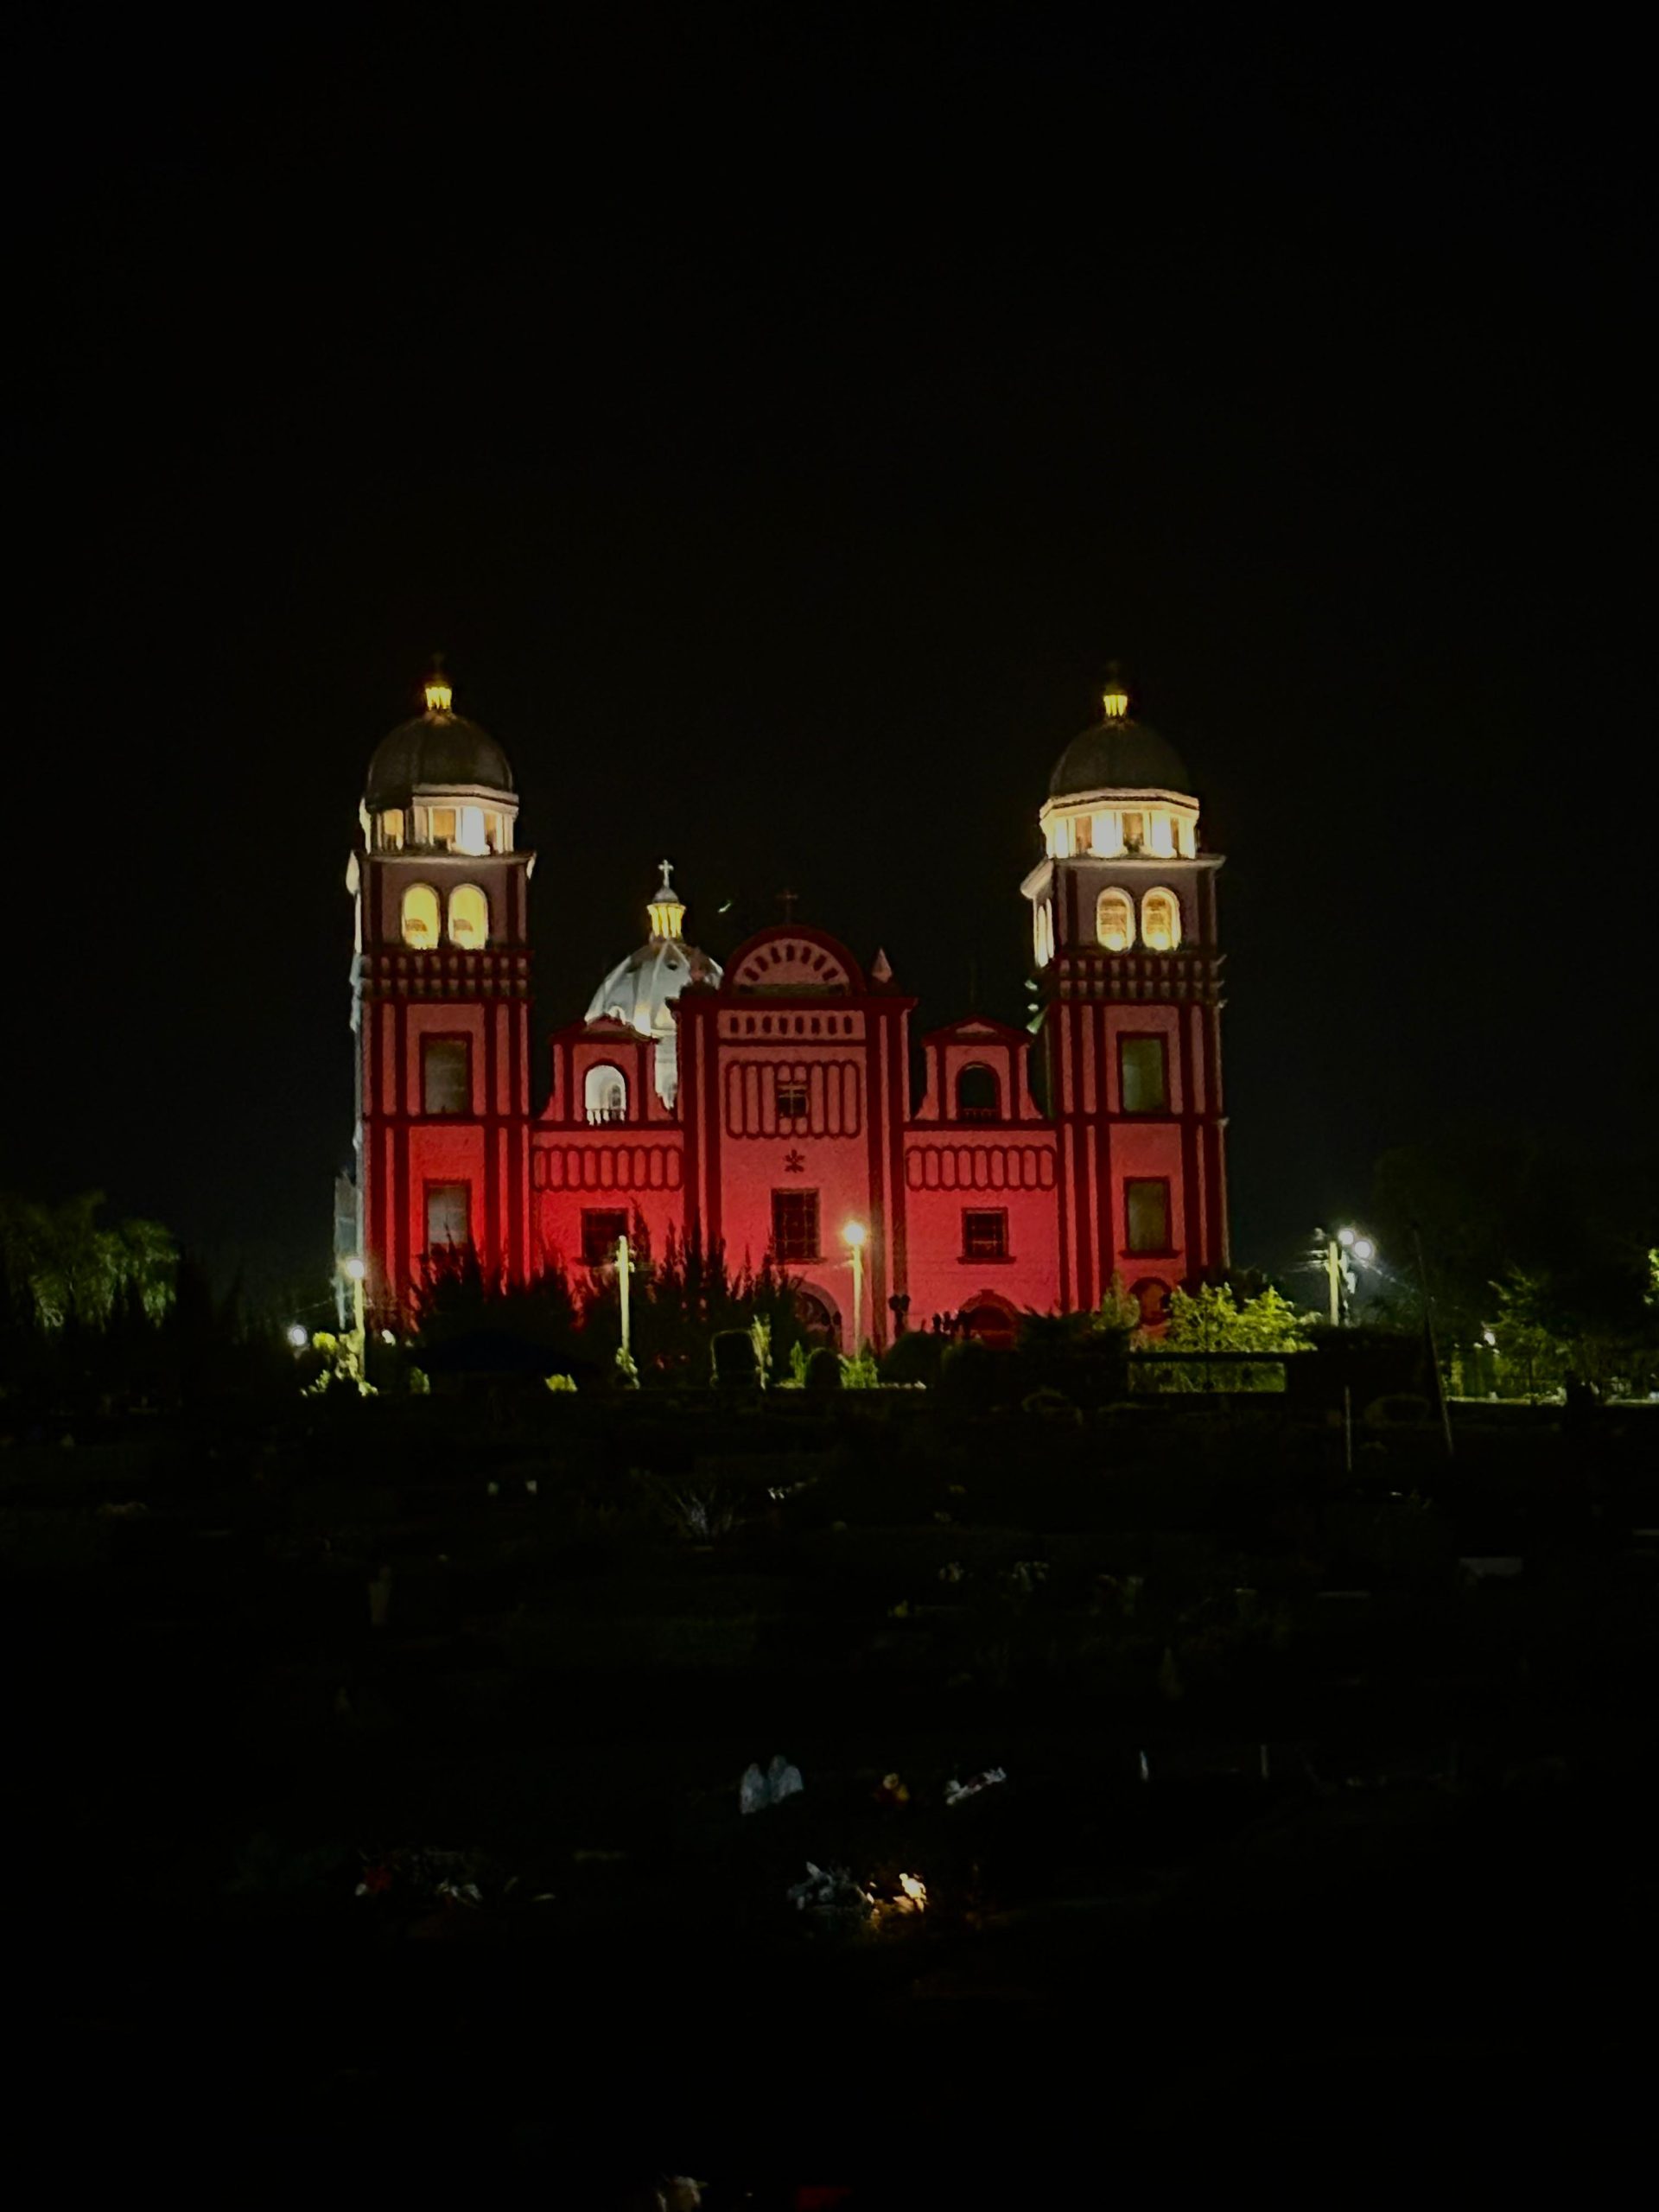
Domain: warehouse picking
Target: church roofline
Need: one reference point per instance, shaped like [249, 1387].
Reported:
[973, 1027]
[796, 933]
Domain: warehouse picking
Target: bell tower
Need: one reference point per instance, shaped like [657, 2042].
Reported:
[441, 1003]
[1128, 971]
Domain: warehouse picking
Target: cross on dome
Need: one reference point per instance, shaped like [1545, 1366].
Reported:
[436, 691]
[666, 912]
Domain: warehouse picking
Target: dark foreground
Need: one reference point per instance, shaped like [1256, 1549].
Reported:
[252, 1665]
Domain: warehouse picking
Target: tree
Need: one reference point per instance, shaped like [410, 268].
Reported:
[1210, 1320]
[59, 1262]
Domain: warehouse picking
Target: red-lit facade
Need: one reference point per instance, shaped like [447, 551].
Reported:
[770, 1107]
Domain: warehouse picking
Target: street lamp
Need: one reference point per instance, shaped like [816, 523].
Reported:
[624, 1281]
[298, 1336]
[853, 1236]
[1347, 1243]
[1341, 1251]
[356, 1270]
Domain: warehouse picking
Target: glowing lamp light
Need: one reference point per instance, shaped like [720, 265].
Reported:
[1487, 1338]
[854, 1233]
[298, 1337]
[1364, 1248]
[437, 693]
[1345, 1236]
[1115, 697]
[355, 1270]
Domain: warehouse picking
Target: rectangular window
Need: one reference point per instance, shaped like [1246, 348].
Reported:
[1143, 1075]
[1082, 833]
[449, 1216]
[1132, 826]
[391, 829]
[443, 825]
[985, 1236]
[446, 1075]
[1146, 1213]
[795, 1224]
[600, 1234]
[791, 1095]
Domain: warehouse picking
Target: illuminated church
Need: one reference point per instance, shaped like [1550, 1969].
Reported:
[769, 1104]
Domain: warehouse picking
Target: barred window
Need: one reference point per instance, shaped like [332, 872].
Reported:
[795, 1224]
[791, 1095]
[985, 1234]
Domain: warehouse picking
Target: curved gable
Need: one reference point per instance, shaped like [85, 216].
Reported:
[794, 961]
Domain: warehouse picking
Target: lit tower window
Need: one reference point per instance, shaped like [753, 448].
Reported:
[1160, 921]
[1114, 920]
[420, 915]
[469, 917]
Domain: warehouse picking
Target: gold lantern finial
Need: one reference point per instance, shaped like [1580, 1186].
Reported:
[667, 910]
[1115, 697]
[436, 690]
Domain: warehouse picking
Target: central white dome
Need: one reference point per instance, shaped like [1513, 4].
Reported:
[641, 989]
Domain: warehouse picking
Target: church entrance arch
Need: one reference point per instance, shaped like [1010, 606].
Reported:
[817, 1314]
[992, 1319]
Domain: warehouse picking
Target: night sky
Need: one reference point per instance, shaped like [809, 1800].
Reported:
[780, 420]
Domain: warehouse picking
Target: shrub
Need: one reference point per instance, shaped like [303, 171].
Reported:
[735, 1368]
[915, 1358]
[823, 1368]
[970, 1377]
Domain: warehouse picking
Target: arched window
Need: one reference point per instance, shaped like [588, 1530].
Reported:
[1160, 921]
[469, 916]
[1042, 922]
[1114, 920]
[421, 917]
[605, 1094]
[977, 1097]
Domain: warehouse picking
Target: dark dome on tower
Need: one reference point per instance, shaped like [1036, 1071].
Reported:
[439, 750]
[1118, 754]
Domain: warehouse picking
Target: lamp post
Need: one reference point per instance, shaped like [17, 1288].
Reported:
[355, 1272]
[853, 1236]
[623, 1272]
[1349, 1244]
[1357, 1247]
